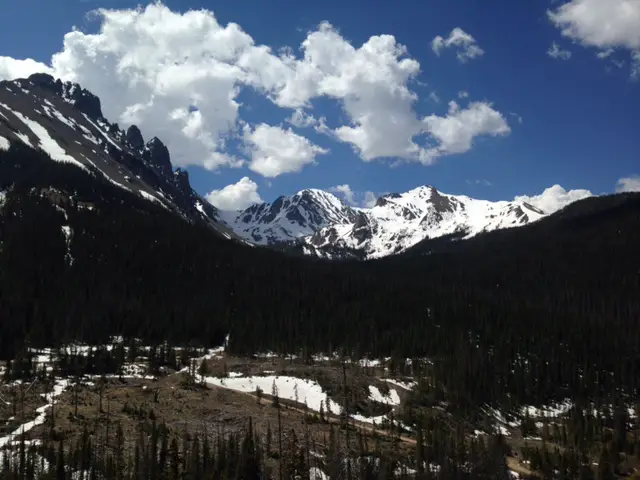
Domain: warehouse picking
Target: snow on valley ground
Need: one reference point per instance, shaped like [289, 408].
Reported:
[505, 422]
[305, 391]
[291, 388]
[392, 398]
[49, 398]
[302, 391]
[287, 388]
[43, 358]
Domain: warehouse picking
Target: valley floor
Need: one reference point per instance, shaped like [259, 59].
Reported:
[219, 393]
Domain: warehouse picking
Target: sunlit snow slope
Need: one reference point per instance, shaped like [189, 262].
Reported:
[397, 221]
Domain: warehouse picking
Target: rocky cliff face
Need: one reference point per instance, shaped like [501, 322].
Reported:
[66, 122]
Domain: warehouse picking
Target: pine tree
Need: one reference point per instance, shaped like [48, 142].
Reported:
[119, 453]
[174, 459]
[420, 451]
[274, 395]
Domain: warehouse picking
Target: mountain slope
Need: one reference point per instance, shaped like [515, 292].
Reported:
[66, 121]
[288, 219]
[326, 226]
[82, 259]
[534, 315]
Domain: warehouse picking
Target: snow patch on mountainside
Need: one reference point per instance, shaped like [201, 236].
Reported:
[65, 121]
[106, 136]
[48, 144]
[68, 234]
[51, 111]
[151, 198]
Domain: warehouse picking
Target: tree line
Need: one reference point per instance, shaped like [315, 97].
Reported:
[527, 315]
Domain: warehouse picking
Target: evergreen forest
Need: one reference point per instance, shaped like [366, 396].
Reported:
[526, 316]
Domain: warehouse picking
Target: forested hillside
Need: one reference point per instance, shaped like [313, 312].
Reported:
[525, 315]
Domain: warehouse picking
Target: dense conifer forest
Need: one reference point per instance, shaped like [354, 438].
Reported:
[104, 450]
[441, 446]
[155, 454]
[541, 311]
[526, 316]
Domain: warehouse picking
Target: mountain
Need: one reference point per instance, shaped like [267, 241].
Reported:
[83, 259]
[66, 122]
[506, 315]
[100, 238]
[289, 219]
[326, 226]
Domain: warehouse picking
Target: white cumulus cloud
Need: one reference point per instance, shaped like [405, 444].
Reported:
[628, 184]
[151, 66]
[366, 199]
[236, 196]
[370, 82]
[302, 119]
[11, 68]
[480, 181]
[604, 53]
[456, 131]
[346, 192]
[554, 198]
[275, 151]
[558, 53]
[607, 25]
[635, 64]
[465, 45]
[370, 199]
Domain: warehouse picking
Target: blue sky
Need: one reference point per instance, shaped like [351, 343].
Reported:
[572, 122]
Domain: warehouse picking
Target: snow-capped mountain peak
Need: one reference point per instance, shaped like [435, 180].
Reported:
[396, 222]
[289, 219]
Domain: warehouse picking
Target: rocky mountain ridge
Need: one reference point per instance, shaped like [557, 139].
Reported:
[66, 122]
[323, 224]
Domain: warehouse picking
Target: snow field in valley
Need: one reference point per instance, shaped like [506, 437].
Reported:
[288, 388]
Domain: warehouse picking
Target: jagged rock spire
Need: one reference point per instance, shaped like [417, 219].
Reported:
[134, 137]
[157, 154]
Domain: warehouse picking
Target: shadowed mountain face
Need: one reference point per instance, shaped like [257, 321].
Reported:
[66, 122]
